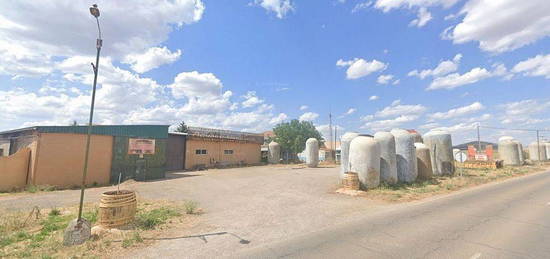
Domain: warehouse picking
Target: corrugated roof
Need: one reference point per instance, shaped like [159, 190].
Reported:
[141, 131]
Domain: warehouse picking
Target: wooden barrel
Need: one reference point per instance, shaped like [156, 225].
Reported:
[351, 181]
[117, 208]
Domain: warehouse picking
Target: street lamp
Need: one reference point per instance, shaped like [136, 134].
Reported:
[94, 11]
[78, 230]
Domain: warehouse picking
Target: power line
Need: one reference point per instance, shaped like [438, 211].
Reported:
[501, 128]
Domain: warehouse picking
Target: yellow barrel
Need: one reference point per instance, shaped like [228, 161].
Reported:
[351, 181]
[117, 208]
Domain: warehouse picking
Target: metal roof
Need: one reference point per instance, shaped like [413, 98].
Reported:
[143, 131]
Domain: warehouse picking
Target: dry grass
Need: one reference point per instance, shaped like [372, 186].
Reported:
[40, 235]
[463, 178]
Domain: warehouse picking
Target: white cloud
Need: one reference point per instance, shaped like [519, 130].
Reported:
[251, 99]
[361, 6]
[522, 112]
[30, 42]
[151, 59]
[513, 24]
[457, 112]
[350, 111]
[304, 107]
[279, 7]
[423, 18]
[535, 66]
[455, 80]
[308, 116]
[423, 15]
[280, 118]
[384, 79]
[445, 67]
[373, 98]
[390, 123]
[194, 84]
[359, 67]
[396, 108]
[325, 130]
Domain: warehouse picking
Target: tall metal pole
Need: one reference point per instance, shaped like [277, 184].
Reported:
[478, 139]
[538, 147]
[95, 67]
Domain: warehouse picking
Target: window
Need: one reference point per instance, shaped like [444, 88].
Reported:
[200, 152]
[228, 152]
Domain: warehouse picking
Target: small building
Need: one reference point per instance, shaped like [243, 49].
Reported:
[54, 155]
[208, 148]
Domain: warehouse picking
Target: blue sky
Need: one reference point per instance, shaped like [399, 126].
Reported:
[248, 65]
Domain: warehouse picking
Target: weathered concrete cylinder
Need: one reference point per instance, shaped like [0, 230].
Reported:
[534, 154]
[424, 161]
[273, 153]
[405, 153]
[547, 145]
[388, 162]
[505, 138]
[364, 159]
[344, 152]
[417, 137]
[441, 151]
[520, 150]
[509, 152]
[312, 152]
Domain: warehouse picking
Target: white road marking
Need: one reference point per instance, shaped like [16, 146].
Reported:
[476, 256]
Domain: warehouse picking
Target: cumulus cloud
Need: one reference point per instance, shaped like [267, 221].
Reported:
[513, 24]
[455, 80]
[423, 18]
[401, 114]
[457, 112]
[359, 67]
[27, 38]
[396, 108]
[373, 98]
[523, 112]
[309, 116]
[535, 66]
[384, 79]
[304, 107]
[194, 84]
[443, 68]
[278, 119]
[361, 6]
[279, 7]
[251, 99]
[151, 59]
[389, 123]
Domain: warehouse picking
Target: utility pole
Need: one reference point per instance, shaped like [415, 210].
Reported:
[478, 139]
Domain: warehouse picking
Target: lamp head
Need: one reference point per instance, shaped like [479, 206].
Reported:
[94, 10]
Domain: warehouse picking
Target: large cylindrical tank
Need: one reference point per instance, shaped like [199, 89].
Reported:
[534, 150]
[417, 137]
[273, 153]
[344, 152]
[405, 153]
[388, 162]
[424, 161]
[505, 138]
[509, 152]
[312, 152]
[547, 145]
[441, 151]
[520, 151]
[364, 159]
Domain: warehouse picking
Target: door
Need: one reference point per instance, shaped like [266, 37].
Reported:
[175, 152]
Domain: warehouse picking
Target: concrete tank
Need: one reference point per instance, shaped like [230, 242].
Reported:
[417, 137]
[312, 152]
[364, 159]
[441, 151]
[388, 162]
[407, 169]
[533, 151]
[520, 150]
[505, 138]
[273, 153]
[547, 145]
[509, 152]
[344, 152]
[424, 161]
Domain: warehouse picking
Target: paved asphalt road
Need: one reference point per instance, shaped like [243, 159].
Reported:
[506, 220]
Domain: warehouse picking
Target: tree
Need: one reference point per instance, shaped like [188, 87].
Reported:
[292, 135]
[182, 127]
[74, 123]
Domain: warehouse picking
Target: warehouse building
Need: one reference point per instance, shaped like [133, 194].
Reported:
[208, 148]
[54, 155]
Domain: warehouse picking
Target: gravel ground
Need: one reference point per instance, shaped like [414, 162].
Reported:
[258, 204]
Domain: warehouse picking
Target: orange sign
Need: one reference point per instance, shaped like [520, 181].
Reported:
[139, 146]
